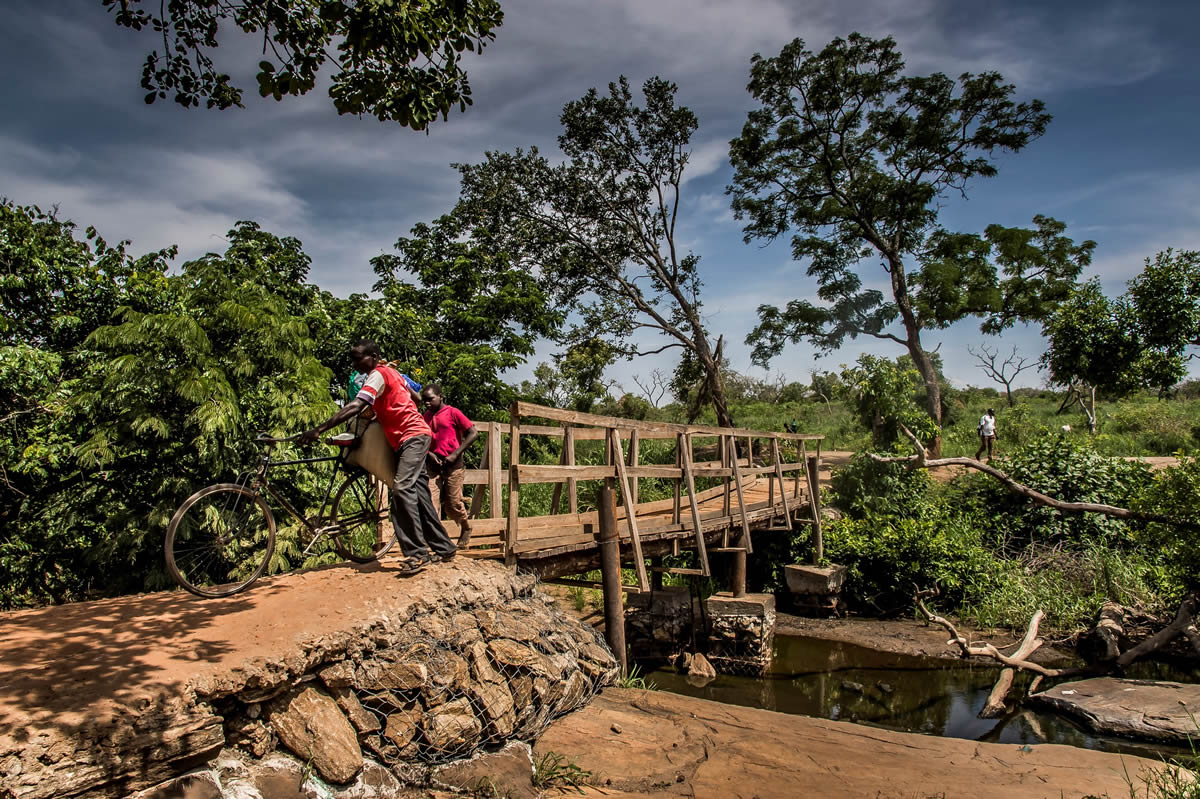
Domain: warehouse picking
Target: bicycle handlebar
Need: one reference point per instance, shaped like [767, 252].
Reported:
[263, 438]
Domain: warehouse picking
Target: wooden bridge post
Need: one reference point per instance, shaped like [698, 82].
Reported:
[477, 491]
[514, 487]
[697, 527]
[778, 455]
[493, 459]
[610, 571]
[814, 502]
[635, 455]
[675, 515]
[635, 537]
[737, 576]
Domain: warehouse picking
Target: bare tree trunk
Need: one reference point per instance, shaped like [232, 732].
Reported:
[921, 359]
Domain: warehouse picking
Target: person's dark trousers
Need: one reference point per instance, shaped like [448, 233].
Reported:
[417, 525]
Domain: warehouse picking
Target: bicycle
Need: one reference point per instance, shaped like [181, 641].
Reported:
[222, 538]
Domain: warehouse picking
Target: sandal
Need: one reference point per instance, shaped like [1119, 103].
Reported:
[410, 565]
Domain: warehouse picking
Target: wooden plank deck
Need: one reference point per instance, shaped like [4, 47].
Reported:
[762, 474]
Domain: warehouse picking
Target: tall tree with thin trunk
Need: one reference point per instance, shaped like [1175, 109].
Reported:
[600, 227]
[858, 158]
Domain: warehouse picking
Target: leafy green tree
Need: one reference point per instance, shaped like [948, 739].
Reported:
[858, 158]
[1139, 340]
[1092, 346]
[134, 389]
[1165, 298]
[600, 227]
[397, 61]
[473, 312]
[882, 391]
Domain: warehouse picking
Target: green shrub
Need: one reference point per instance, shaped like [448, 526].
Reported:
[1065, 469]
[1174, 492]
[886, 557]
[866, 487]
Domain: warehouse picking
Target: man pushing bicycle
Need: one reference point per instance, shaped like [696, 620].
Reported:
[422, 537]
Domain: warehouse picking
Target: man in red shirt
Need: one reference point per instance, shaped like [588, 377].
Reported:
[418, 525]
[453, 432]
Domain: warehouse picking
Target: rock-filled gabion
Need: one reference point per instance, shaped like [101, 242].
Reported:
[496, 676]
[447, 681]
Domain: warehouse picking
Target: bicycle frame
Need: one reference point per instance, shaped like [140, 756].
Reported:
[259, 482]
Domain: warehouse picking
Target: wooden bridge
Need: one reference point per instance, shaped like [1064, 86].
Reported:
[763, 479]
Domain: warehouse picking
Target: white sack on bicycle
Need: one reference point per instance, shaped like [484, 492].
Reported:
[373, 452]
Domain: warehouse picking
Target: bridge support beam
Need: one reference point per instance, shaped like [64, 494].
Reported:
[610, 572]
[737, 572]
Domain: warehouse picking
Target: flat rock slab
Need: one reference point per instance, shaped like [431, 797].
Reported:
[643, 743]
[1149, 709]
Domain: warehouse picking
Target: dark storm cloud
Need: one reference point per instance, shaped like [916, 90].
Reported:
[75, 132]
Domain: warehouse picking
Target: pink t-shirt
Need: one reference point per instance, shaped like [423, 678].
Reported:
[448, 425]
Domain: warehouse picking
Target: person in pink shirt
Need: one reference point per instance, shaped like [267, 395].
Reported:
[453, 432]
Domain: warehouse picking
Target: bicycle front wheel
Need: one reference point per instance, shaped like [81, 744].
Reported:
[363, 530]
[220, 540]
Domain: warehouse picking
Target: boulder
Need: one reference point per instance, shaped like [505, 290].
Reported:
[405, 676]
[509, 655]
[496, 704]
[362, 719]
[313, 727]
[481, 666]
[508, 772]
[1153, 710]
[403, 725]
[452, 728]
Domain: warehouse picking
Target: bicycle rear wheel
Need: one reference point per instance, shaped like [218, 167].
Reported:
[220, 540]
[363, 530]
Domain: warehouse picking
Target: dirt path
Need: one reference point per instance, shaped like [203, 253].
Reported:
[69, 665]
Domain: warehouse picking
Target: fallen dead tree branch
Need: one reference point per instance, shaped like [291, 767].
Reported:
[1018, 660]
[922, 461]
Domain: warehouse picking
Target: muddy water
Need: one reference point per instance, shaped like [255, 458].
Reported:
[834, 680]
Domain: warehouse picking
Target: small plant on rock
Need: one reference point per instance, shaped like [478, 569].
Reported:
[552, 770]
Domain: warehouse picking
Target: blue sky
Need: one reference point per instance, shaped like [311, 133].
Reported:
[1118, 163]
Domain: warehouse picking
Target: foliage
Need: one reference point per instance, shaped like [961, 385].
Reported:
[882, 391]
[552, 770]
[866, 488]
[399, 62]
[857, 158]
[1065, 469]
[1138, 340]
[600, 227]
[886, 556]
[1174, 491]
[636, 680]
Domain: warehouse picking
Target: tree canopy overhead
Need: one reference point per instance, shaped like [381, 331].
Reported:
[856, 157]
[396, 60]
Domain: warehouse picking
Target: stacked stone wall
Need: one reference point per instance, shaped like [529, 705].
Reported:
[482, 660]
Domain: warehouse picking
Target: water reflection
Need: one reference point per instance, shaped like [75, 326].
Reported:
[834, 680]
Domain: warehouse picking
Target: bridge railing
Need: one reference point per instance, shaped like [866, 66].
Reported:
[736, 467]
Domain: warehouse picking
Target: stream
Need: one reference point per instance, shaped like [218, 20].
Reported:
[841, 681]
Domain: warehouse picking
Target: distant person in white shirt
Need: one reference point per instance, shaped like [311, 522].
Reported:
[987, 433]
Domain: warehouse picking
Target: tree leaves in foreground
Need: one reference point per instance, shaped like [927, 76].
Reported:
[858, 158]
[398, 61]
